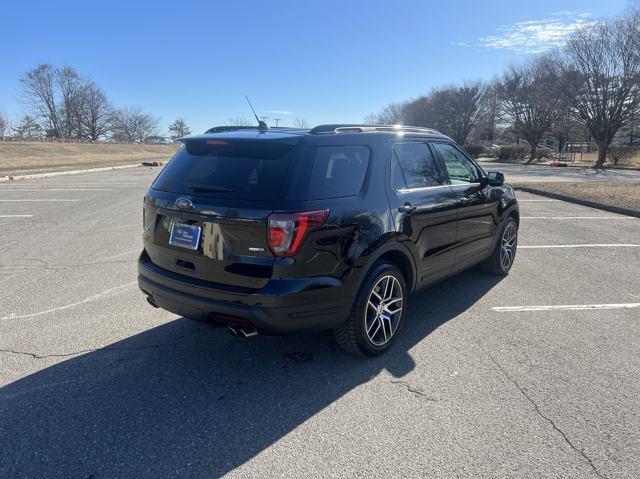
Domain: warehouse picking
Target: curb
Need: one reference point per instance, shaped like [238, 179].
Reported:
[570, 165]
[70, 172]
[578, 201]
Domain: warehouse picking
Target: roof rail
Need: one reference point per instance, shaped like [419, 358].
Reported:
[224, 128]
[331, 128]
[346, 128]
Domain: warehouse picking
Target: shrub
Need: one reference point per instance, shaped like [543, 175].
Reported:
[619, 153]
[475, 150]
[512, 152]
[543, 153]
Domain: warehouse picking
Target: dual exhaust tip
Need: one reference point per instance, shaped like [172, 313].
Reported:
[242, 332]
[236, 331]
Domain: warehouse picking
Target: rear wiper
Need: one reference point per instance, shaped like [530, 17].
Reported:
[210, 189]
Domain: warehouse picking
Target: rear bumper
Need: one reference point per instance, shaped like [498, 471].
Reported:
[281, 307]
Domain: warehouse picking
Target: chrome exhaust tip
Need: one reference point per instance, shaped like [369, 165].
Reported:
[239, 332]
[152, 301]
[248, 333]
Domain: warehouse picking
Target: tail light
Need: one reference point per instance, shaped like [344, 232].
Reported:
[287, 230]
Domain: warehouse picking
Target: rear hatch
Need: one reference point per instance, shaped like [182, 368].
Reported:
[206, 214]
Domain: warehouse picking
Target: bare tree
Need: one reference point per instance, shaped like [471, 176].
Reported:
[28, 129]
[96, 112]
[487, 122]
[68, 105]
[455, 110]
[4, 125]
[567, 127]
[529, 99]
[239, 121]
[178, 129]
[300, 122]
[631, 129]
[601, 76]
[392, 114]
[39, 92]
[71, 102]
[132, 125]
[416, 112]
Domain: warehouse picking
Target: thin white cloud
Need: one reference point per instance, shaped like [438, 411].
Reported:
[535, 36]
[279, 112]
[459, 42]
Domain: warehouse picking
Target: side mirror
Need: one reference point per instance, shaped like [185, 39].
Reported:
[496, 178]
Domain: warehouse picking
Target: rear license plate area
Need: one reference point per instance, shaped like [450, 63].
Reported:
[185, 236]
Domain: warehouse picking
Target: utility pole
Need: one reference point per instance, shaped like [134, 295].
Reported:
[277, 120]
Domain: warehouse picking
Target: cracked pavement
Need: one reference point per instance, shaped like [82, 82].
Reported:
[96, 383]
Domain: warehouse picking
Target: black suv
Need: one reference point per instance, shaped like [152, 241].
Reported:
[285, 230]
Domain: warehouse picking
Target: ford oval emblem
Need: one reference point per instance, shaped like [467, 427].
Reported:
[184, 203]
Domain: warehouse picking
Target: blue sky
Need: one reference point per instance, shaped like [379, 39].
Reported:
[329, 61]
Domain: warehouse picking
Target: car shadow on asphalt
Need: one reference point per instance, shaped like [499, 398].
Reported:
[184, 399]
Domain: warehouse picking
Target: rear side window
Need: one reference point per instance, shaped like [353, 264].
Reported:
[413, 166]
[338, 171]
[250, 170]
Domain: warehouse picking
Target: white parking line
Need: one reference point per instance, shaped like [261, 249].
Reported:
[16, 216]
[612, 245]
[577, 217]
[41, 200]
[91, 184]
[536, 201]
[566, 307]
[56, 189]
[124, 253]
[104, 294]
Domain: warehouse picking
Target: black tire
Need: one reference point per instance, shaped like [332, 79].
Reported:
[495, 264]
[352, 335]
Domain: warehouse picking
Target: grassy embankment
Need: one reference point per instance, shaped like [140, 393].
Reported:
[20, 158]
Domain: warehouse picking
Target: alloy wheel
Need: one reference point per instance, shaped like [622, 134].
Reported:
[508, 245]
[384, 310]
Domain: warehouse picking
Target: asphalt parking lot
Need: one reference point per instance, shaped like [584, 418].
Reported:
[533, 375]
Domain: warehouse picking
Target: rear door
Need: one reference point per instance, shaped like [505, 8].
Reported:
[477, 208]
[206, 214]
[424, 208]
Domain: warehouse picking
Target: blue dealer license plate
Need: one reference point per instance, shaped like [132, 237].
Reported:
[185, 236]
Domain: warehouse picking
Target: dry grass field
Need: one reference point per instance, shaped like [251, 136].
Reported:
[589, 159]
[19, 158]
[623, 195]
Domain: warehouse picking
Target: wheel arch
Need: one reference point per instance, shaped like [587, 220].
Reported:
[511, 211]
[397, 254]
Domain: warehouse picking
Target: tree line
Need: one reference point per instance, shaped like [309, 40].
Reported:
[589, 88]
[64, 105]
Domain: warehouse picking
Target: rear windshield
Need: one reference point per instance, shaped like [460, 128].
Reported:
[264, 170]
[251, 170]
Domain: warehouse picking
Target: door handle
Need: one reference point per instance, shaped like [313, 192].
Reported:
[465, 200]
[407, 208]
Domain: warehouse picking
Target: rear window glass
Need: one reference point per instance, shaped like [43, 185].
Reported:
[413, 166]
[251, 170]
[338, 171]
[264, 170]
